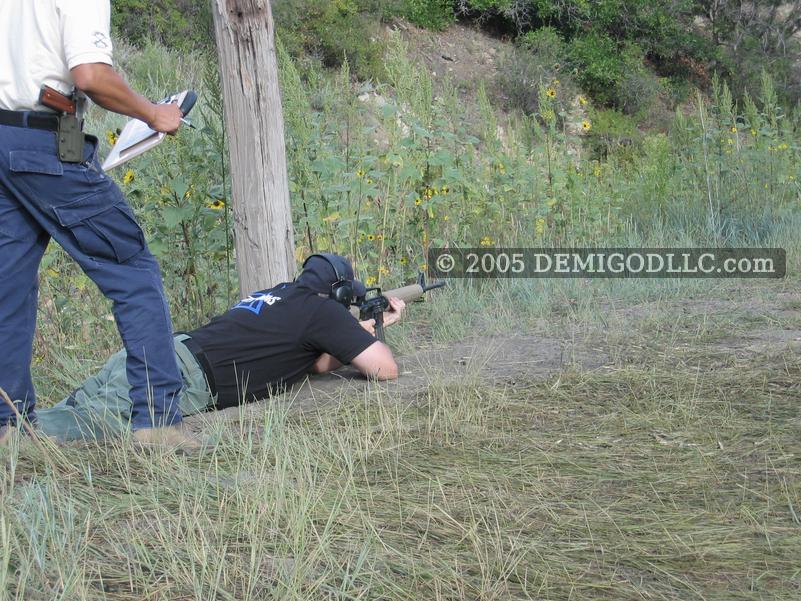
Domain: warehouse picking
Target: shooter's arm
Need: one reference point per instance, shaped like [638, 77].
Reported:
[327, 362]
[376, 361]
[107, 88]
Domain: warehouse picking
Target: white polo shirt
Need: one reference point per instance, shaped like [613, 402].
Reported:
[41, 40]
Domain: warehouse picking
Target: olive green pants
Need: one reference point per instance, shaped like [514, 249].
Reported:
[101, 407]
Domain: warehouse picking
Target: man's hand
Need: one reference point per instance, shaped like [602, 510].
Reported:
[396, 307]
[166, 118]
[368, 325]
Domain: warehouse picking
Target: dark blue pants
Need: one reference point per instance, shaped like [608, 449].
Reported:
[81, 208]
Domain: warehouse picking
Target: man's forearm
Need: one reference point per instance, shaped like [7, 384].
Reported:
[108, 89]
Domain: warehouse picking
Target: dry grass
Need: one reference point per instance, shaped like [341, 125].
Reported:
[639, 482]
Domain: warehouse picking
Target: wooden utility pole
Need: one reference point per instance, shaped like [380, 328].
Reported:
[265, 246]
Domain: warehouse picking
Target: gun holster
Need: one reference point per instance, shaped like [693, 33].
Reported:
[70, 139]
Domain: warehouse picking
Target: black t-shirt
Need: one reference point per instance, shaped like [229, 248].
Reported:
[273, 337]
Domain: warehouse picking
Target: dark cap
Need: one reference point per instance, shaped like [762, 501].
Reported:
[322, 271]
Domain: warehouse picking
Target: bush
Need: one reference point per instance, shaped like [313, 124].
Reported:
[350, 36]
[333, 31]
[431, 14]
[536, 61]
[638, 88]
[609, 40]
[612, 133]
[598, 64]
[180, 24]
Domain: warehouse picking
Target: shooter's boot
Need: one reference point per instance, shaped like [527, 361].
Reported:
[175, 438]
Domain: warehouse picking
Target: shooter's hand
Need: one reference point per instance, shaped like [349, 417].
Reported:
[396, 307]
[165, 118]
[368, 325]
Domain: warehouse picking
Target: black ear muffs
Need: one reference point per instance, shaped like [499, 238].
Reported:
[341, 290]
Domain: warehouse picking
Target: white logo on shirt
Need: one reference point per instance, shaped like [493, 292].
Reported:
[255, 302]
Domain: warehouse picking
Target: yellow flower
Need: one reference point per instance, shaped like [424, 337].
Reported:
[128, 177]
[733, 129]
[371, 280]
[556, 82]
[582, 101]
[539, 226]
[379, 237]
[360, 173]
[403, 261]
[445, 218]
[753, 132]
[596, 170]
[550, 93]
[486, 241]
[417, 202]
[501, 168]
[383, 270]
[586, 125]
[371, 237]
[445, 190]
[111, 137]
[782, 146]
[361, 238]
[217, 205]
[729, 141]
[430, 192]
[423, 266]
[792, 178]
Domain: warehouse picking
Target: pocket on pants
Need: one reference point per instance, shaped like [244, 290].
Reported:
[102, 230]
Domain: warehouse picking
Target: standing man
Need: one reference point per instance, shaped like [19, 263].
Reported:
[52, 186]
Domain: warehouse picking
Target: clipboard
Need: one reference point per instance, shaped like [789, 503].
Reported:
[136, 137]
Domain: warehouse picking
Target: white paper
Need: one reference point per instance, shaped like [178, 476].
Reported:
[136, 138]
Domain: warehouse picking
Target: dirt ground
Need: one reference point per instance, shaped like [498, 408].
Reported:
[757, 328]
[463, 54]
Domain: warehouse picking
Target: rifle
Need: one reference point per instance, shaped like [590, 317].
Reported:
[373, 304]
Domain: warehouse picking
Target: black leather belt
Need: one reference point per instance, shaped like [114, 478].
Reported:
[31, 119]
[203, 361]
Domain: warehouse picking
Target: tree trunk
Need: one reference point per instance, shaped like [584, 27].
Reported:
[265, 248]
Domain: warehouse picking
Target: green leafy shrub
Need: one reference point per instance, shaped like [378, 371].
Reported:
[608, 42]
[638, 88]
[612, 132]
[350, 36]
[431, 14]
[181, 24]
[599, 65]
[332, 32]
[536, 61]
